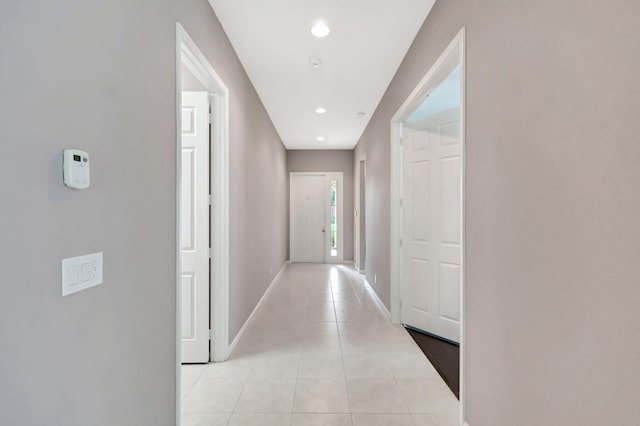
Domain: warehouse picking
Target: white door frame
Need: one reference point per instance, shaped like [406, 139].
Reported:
[187, 53]
[328, 176]
[359, 232]
[452, 55]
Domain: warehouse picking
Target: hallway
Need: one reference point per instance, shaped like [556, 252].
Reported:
[319, 351]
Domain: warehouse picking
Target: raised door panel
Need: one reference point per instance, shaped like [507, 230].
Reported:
[194, 227]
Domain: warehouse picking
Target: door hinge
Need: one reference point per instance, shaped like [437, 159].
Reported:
[210, 334]
[210, 199]
[210, 118]
[210, 253]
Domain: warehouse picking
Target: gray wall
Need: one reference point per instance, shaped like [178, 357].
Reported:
[553, 236]
[258, 175]
[188, 81]
[100, 76]
[330, 161]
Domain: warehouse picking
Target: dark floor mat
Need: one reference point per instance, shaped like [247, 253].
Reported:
[444, 356]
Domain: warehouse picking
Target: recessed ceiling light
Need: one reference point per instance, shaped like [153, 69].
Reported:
[321, 110]
[320, 30]
[320, 138]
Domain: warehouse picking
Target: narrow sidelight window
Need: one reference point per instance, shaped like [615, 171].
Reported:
[334, 218]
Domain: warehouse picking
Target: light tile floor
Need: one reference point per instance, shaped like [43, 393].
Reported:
[319, 352]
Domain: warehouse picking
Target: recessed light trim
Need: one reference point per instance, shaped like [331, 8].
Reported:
[321, 110]
[320, 30]
[315, 62]
[320, 138]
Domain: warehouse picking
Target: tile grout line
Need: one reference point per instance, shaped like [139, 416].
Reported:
[344, 369]
[394, 378]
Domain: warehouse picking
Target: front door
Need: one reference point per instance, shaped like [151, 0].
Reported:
[308, 222]
[194, 227]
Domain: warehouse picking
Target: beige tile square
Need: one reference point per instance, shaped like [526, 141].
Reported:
[375, 396]
[359, 343]
[398, 343]
[321, 344]
[205, 419]
[320, 328]
[383, 420]
[321, 420]
[320, 315]
[284, 366]
[218, 395]
[411, 364]
[237, 368]
[437, 419]
[267, 396]
[424, 372]
[347, 305]
[346, 298]
[189, 371]
[350, 328]
[321, 365]
[365, 365]
[428, 396]
[351, 314]
[315, 301]
[189, 375]
[244, 419]
[321, 396]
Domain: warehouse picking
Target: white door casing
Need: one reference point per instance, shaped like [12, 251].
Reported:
[362, 243]
[194, 227]
[431, 224]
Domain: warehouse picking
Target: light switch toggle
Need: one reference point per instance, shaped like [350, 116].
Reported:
[86, 269]
[74, 277]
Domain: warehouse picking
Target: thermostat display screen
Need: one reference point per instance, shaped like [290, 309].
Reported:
[76, 169]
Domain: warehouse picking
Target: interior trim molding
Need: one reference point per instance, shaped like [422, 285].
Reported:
[377, 299]
[235, 341]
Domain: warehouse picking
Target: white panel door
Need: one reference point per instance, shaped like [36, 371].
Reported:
[308, 223]
[431, 228]
[194, 227]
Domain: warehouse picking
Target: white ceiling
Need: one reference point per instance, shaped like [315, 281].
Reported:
[368, 40]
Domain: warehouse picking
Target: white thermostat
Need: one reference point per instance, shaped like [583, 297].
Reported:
[75, 168]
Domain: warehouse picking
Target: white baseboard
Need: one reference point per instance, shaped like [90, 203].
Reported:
[376, 299]
[233, 344]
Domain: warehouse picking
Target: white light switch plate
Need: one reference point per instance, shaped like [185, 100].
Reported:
[81, 272]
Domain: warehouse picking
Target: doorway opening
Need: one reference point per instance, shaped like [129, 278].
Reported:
[361, 243]
[202, 210]
[427, 204]
[316, 212]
